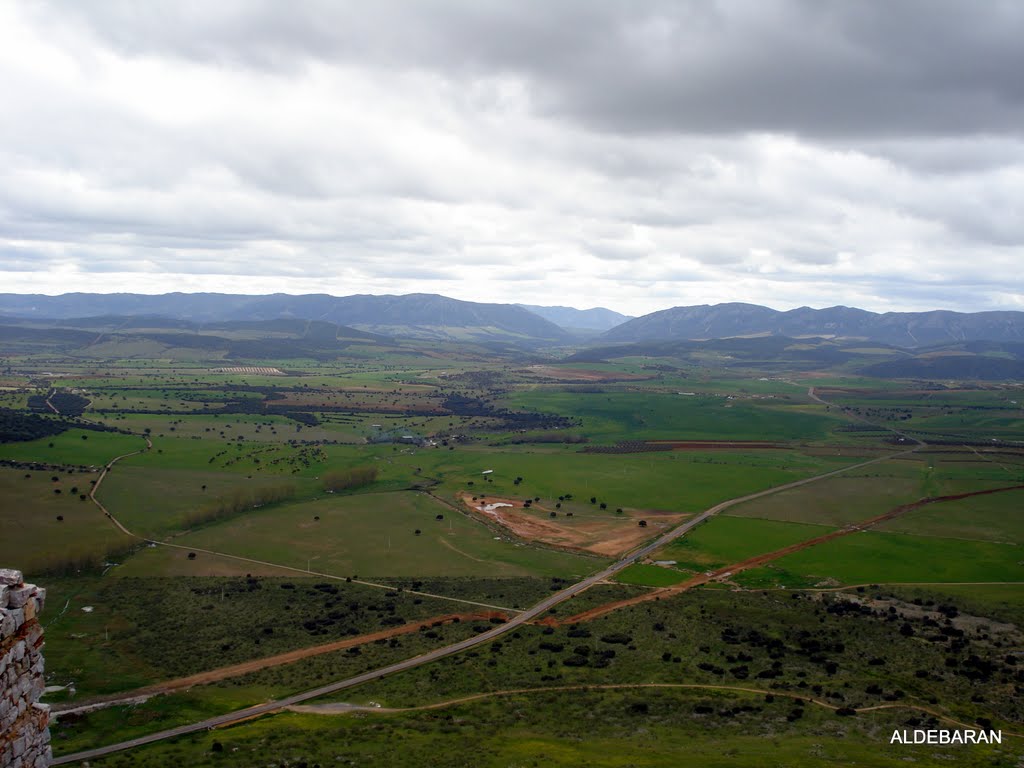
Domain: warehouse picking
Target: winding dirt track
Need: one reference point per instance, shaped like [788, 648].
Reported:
[99, 480]
[759, 560]
[340, 709]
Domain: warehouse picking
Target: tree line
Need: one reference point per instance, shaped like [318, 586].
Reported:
[346, 479]
[240, 500]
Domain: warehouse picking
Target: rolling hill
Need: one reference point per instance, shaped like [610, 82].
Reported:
[906, 329]
[421, 316]
[570, 318]
[961, 361]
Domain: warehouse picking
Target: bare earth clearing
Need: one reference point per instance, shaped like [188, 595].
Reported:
[599, 534]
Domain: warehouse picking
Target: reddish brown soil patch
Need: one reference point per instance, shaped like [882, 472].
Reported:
[602, 535]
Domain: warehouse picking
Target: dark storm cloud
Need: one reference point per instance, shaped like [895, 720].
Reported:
[829, 68]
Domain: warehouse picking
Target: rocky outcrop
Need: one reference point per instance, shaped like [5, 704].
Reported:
[24, 722]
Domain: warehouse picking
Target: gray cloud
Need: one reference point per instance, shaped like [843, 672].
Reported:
[821, 68]
[635, 155]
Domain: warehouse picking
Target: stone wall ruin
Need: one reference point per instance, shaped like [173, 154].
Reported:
[24, 722]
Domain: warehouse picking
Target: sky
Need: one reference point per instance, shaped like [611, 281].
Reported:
[583, 153]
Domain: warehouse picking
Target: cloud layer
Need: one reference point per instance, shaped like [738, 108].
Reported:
[633, 155]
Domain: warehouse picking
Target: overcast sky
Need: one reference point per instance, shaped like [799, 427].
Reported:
[635, 155]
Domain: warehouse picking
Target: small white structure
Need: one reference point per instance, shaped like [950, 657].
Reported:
[487, 472]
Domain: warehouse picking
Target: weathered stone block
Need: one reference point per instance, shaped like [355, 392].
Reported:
[18, 614]
[18, 596]
[11, 577]
[7, 626]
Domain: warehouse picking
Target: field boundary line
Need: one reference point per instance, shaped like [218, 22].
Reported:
[333, 577]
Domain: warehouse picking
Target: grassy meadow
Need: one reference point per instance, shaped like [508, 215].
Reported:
[261, 579]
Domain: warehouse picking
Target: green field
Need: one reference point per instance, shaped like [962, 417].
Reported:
[34, 540]
[866, 493]
[373, 535]
[996, 517]
[675, 481]
[614, 415]
[152, 501]
[725, 540]
[836, 501]
[650, 575]
[76, 447]
[871, 557]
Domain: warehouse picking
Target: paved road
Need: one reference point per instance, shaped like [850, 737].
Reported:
[526, 616]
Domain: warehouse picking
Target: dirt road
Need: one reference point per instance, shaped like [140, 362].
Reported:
[759, 560]
[255, 665]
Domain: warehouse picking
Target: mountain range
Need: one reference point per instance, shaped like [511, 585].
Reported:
[418, 315]
[905, 329]
[433, 317]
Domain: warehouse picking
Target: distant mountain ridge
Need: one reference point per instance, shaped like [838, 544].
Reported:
[595, 319]
[430, 316]
[906, 329]
[959, 360]
[418, 315]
